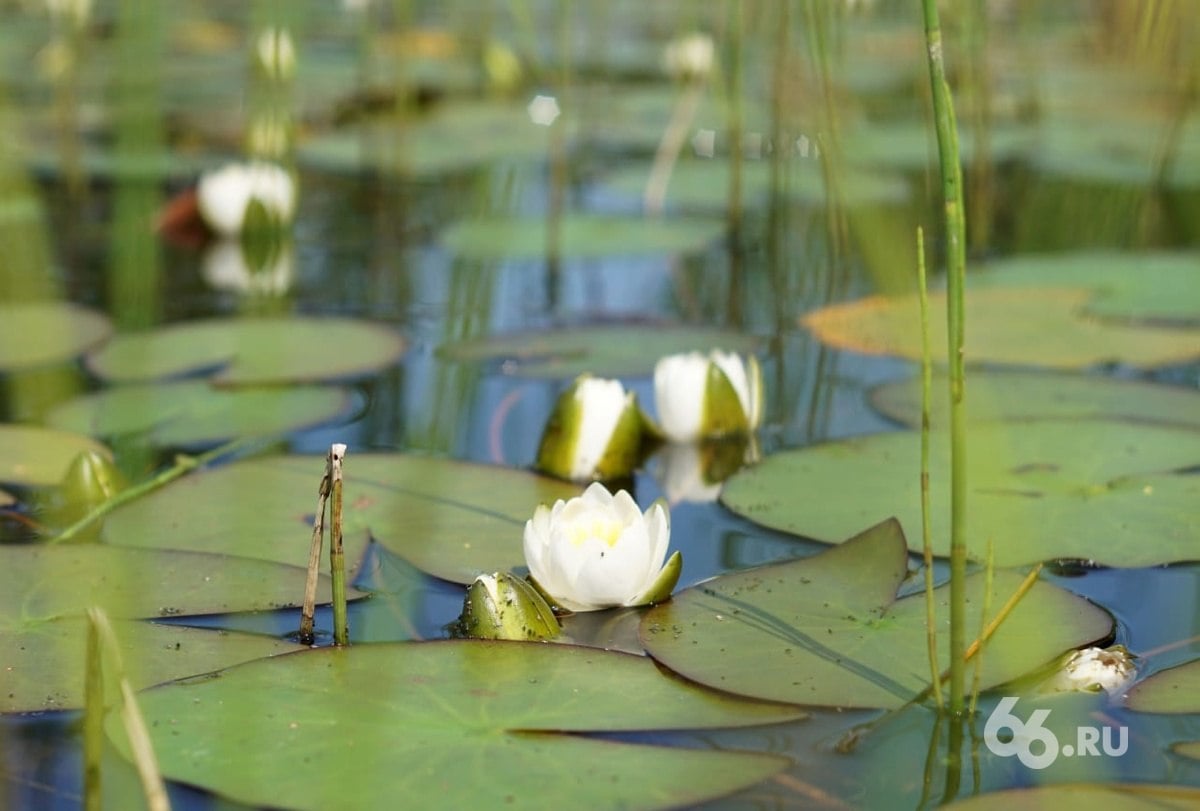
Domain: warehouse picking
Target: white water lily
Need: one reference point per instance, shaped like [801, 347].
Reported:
[225, 267]
[594, 432]
[690, 57]
[1094, 669]
[700, 397]
[599, 551]
[224, 196]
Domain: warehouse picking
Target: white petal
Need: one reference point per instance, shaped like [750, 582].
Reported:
[601, 403]
[223, 196]
[679, 394]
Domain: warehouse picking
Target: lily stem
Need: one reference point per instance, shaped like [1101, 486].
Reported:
[183, 465]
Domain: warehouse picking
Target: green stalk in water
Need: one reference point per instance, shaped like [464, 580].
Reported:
[926, 517]
[337, 557]
[956, 262]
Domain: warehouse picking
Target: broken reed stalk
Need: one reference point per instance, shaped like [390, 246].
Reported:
[337, 557]
[682, 116]
[956, 262]
[926, 517]
[309, 609]
[993, 626]
[183, 465]
[103, 639]
[989, 579]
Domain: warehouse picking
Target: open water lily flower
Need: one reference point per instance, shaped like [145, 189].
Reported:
[224, 196]
[594, 432]
[701, 397]
[599, 550]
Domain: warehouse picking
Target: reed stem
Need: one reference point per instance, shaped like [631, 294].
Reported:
[956, 261]
[309, 609]
[337, 557]
[926, 516]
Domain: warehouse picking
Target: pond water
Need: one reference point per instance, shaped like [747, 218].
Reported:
[410, 126]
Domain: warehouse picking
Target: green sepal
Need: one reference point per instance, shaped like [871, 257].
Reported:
[560, 435]
[263, 235]
[555, 606]
[624, 450]
[91, 480]
[517, 611]
[660, 590]
[723, 414]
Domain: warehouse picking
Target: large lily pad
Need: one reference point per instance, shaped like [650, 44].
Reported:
[40, 457]
[1086, 797]
[448, 723]
[454, 138]
[451, 519]
[611, 350]
[251, 350]
[1156, 287]
[44, 661]
[1090, 489]
[1034, 326]
[44, 592]
[194, 412]
[829, 630]
[704, 184]
[1175, 690]
[1008, 395]
[40, 333]
[583, 236]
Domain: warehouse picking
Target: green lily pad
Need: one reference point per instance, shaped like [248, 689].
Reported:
[704, 184]
[1021, 395]
[583, 236]
[193, 412]
[44, 661]
[1188, 749]
[1101, 149]
[40, 333]
[616, 350]
[1157, 287]
[1092, 489]
[828, 630]
[44, 592]
[451, 519]
[453, 138]
[1054, 331]
[912, 146]
[1085, 797]
[450, 723]
[1175, 690]
[251, 350]
[39, 457]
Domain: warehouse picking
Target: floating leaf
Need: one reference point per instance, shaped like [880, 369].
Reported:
[251, 350]
[40, 333]
[582, 236]
[44, 592]
[1088, 489]
[613, 351]
[193, 412]
[452, 723]
[1188, 749]
[705, 184]
[1085, 797]
[43, 662]
[1098, 149]
[1008, 395]
[1175, 690]
[1134, 286]
[912, 146]
[829, 630]
[455, 137]
[39, 457]
[452, 519]
[1053, 330]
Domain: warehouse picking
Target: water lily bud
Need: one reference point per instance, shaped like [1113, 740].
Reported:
[594, 432]
[599, 551]
[224, 196]
[1094, 669]
[503, 606]
[689, 57]
[276, 54]
[700, 397]
[91, 480]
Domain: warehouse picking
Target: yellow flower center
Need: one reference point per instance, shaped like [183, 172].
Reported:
[606, 530]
